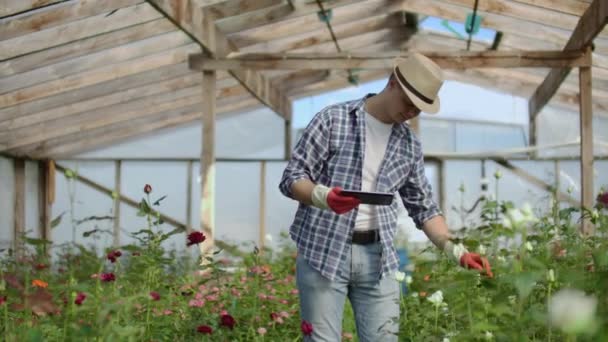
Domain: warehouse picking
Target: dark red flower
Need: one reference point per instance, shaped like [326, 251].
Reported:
[107, 277]
[113, 255]
[148, 188]
[2, 300]
[274, 316]
[227, 321]
[40, 267]
[136, 254]
[602, 199]
[306, 328]
[80, 297]
[195, 238]
[204, 329]
[154, 295]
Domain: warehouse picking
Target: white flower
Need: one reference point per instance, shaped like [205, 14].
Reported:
[497, 174]
[488, 336]
[268, 238]
[445, 339]
[436, 298]
[415, 294]
[595, 215]
[570, 189]
[399, 276]
[551, 276]
[481, 249]
[501, 258]
[572, 311]
[529, 246]
[512, 300]
[408, 279]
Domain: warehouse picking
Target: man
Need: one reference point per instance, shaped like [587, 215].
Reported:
[345, 249]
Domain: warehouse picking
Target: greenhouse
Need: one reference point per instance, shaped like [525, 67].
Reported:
[149, 154]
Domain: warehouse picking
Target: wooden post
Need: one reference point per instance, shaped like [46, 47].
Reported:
[46, 189]
[586, 131]
[287, 139]
[19, 219]
[117, 188]
[262, 236]
[207, 169]
[441, 184]
[189, 198]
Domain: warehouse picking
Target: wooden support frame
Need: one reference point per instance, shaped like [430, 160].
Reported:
[589, 26]
[207, 162]
[46, 196]
[586, 134]
[262, 212]
[384, 61]
[118, 190]
[19, 206]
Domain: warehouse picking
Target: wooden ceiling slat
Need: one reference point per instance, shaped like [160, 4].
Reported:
[85, 46]
[231, 8]
[155, 88]
[99, 75]
[11, 7]
[110, 135]
[99, 59]
[290, 28]
[69, 32]
[278, 14]
[56, 15]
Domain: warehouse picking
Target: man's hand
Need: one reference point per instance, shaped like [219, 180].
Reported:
[331, 198]
[467, 259]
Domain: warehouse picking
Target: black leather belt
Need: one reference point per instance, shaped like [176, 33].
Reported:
[366, 237]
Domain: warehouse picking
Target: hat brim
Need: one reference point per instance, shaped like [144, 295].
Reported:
[429, 108]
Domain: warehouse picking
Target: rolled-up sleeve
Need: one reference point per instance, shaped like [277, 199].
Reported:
[310, 153]
[416, 194]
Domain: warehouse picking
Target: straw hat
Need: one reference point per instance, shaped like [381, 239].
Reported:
[421, 79]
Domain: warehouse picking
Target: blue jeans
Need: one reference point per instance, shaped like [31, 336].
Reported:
[375, 301]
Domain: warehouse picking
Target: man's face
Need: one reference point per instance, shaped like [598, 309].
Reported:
[401, 107]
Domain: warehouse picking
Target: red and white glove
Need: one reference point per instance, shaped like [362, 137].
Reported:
[466, 259]
[331, 198]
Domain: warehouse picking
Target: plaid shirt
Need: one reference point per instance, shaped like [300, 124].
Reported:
[330, 152]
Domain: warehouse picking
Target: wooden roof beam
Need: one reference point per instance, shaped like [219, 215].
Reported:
[446, 60]
[13, 7]
[590, 24]
[201, 26]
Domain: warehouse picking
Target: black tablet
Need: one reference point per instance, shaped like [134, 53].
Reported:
[377, 198]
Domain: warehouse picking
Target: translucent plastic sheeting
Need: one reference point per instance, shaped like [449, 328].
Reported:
[254, 134]
[560, 126]
[462, 175]
[439, 136]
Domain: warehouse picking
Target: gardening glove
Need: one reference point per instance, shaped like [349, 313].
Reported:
[466, 259]
[331, 198]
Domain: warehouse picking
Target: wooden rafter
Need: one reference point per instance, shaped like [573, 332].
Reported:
[12, 7]
[201, 26]
[589, 25]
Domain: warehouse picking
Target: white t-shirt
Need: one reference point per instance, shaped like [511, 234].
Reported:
[377, 134]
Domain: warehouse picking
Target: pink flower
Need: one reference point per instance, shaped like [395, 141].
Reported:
[167, 312]
[306, 328]
[80, 297]
[223, 313]
[154, 295]
[284, 314]
[227, 321]
[294, 291]
[262, 296]
[198, 295]
[204, 329]
[198, 303]
[107, 277]
[262, 331]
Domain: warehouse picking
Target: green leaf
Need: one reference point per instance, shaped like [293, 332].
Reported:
[34, 335]
[36, 242]
[525, 282]
[57, 220]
